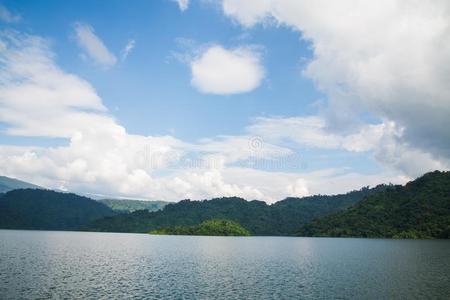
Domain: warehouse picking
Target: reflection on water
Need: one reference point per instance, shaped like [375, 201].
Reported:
[49, 264]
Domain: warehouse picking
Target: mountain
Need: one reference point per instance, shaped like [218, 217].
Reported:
[420, 209]
[126, 205]
[211, 228]
[8, 184]
[281, 218]
[48, 210]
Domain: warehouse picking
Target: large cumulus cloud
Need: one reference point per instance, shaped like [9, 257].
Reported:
[389, 58]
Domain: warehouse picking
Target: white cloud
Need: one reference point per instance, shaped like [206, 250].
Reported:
[389, 58]
[328, 181]
[128, 48]
[312, 131]
[247, 12]
[93, 46]
[7, 16]
[227, 71]
[384, 141]
[393, 151]
[298, 189]
[239, 148]
[182, 4]
[61, 103]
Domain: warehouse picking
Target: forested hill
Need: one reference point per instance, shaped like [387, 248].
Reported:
[210, 227]
[420, 209]
[282, 218]
[8, 184]
[48, 210]
[126, 205]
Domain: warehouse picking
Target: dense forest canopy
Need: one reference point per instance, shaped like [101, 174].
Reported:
[282, 218]
[48, 210]
[127, 205]
[420, 209]
[210, 227]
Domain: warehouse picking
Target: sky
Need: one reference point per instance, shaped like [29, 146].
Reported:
[261, 99]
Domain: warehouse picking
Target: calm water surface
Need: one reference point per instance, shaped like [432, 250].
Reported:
[49, 264]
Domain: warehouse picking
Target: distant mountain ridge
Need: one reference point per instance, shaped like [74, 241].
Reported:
[8, 184]
[119, 205]
[420, 209]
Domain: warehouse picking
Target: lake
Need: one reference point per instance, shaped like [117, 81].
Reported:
[51, 264]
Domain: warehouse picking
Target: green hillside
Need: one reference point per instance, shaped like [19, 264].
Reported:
[48, 210]
[211, 228]
[126, 205]
[420, 209]
[281, 218]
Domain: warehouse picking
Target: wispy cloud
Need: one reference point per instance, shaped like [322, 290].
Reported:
[7, 16]
[182, 4]
[93, 46]
[37, 97]
[127, 49]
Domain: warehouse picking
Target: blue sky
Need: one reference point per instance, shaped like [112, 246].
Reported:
[150, 92]
[222, 80]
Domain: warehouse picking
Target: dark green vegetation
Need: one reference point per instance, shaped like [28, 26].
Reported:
[211, 227]
[126, 206]
[282, 218]
[48, 210]
[420, 209]
[8, 184]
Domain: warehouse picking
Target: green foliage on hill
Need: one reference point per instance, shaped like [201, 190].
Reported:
[281, 218]
[211, 227]
[126, 205]
[420, 209]
[8, 184]
[48, 210]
